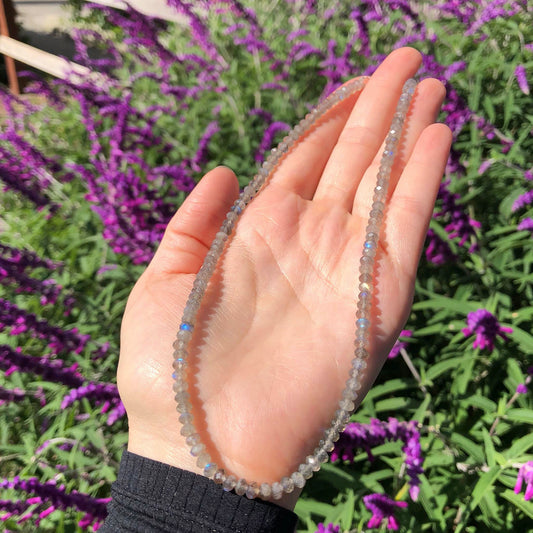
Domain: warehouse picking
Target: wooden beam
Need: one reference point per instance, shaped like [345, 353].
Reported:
[8, 29]
[153, 8]
[46, 62]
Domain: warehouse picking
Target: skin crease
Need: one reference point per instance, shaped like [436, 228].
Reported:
[274, 338]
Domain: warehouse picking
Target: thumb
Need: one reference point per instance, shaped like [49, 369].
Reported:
[191, 230]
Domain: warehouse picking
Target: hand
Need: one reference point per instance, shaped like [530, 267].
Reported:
[274, 338]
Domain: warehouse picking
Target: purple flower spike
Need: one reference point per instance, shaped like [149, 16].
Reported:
[521, 78]
[438, 251]
[485, 326]
[363, 437]
[526, 224]
[522, 201]
[399, 345]
[525, 475]
[382, 507]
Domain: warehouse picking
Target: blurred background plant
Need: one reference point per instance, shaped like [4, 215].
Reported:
[443, 441]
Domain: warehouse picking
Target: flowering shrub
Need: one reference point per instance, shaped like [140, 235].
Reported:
[90, 180]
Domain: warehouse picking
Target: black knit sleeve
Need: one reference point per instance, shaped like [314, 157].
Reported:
[150, 496]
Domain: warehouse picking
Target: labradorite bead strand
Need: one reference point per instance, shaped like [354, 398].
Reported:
[346, 405]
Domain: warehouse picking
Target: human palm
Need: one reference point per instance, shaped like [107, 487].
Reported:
[274, 338]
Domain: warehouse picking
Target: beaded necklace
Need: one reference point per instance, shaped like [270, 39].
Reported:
[346, 405]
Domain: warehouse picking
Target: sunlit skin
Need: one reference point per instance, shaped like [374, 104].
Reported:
[274, 338]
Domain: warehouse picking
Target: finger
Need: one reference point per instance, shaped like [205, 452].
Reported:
[423, 112]
[366, 128]
[191, 230]
[301, 170]
[413, 199]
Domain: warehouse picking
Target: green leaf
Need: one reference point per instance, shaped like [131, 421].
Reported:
[521, 445]
[472, 449]
[484, 484]
[348, 511]
[489, 448]
[481, 403]
[443, 366]
[525, 340]
[520, 415]
[518, 501]
[432, 503]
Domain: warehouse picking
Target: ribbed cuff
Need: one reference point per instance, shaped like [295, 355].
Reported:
[150, 496]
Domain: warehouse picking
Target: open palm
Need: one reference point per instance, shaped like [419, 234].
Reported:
[274, 339]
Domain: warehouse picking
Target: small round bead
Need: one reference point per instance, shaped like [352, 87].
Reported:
[321, 455]
[353, 384]
[327, 444]
[288, 484]
[349, 394]
[184, 407]
[210, 470]
[277, 490]
[192, 440]
[312, 461]
[184, 335]
[179, 386]
[265, 491]
[220, 476]
[342, 417]
[229, 483]
[298, 479]
[241, 486]
[197, 449]
[252, 491]
[362, 323]
[331, 434]
[179, 364]
[360, 353]
[346, 405]
[306, 471]
[186, 418]
[203, 459]
[187, 429]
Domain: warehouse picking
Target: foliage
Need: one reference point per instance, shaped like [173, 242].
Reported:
[92, 178]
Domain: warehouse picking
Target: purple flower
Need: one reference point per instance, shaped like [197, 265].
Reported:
[461, 225]
[268, 137]
[363, 437]
[485, 326]
[399, 345]
[528, 174]
[104, 394]
[11, 395]
[55, 497]
[330, 528]
[522, 201]
[521, 388]
[438, 251]
[21, 321]
[200, 157]
[521, 78]
[13, 360]
[382, 507]
[525, 475]
[526, 224]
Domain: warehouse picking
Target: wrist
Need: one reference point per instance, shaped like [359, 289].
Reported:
[175, 453]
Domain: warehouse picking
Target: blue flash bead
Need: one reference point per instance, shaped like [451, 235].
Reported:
[186, 326]
[362, 323]
[369, 245]
[236, 209]
[174, 375]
